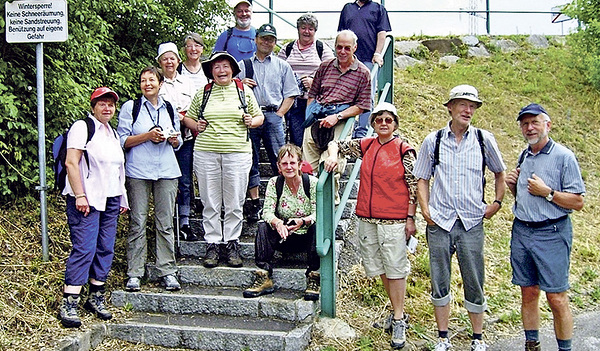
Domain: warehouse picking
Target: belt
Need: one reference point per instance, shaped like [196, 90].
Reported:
[271, 108]
[542, 223]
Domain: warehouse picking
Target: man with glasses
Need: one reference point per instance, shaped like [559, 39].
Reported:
[547, 186]
[341, 89]
[239, 40]
[456, 156]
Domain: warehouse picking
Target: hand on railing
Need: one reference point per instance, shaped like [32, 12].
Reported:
[331, 161]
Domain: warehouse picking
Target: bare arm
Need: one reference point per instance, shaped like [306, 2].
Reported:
[378, 56]
[332, 120]
[285, 106]
[423, 198]
[500, 190]
[74, 177]
[537, 187]
[511, 180]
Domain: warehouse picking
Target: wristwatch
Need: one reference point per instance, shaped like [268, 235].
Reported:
[339, 116]
[550, 196]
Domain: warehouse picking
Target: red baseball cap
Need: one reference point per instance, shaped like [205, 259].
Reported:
[104, 91]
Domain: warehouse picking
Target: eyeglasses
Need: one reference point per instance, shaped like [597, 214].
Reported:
[388, 120]
[193, 46]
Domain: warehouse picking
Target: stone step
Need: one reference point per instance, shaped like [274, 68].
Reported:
[286, 275]
[213, 332]
[282, 304]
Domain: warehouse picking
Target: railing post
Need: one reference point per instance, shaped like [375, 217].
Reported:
[326, 242]
[386, 73]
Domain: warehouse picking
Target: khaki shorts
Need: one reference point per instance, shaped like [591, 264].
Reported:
[383, 249]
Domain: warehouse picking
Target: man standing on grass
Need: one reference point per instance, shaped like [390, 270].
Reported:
[456, 156]
[547, 186]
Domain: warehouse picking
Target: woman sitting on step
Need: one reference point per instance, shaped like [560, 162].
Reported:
[289, 214]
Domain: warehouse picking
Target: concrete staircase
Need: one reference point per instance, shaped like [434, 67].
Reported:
[209, 312]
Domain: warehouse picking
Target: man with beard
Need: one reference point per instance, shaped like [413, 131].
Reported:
[547, 186]
[239, 40]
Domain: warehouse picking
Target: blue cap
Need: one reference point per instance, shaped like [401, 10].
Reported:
[531, 109]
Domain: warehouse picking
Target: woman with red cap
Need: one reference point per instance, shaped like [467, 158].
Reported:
[96, 196]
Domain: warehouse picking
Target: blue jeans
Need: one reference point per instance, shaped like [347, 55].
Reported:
[362, 124]
[185, 187]
[93, 239]
[271, 133]
[295, 118]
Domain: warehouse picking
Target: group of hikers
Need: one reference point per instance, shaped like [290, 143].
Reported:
[209, 118]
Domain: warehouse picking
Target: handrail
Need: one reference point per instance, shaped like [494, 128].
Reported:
[327, 216]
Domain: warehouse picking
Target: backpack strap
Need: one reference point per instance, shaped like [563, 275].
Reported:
[436, 150]
[306, 184]
[137, 105]
[249, 68]
[241, 95]
[278, 190]
[229, 34]
[91, 129]
[521, 158]
[171, 111]
[180, 67]
[483, 161]
[289, 47]
[205, 96]
[320, 49]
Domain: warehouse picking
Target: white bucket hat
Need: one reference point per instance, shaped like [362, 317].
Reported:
[464, 91]
[384, 107]
[166, 47]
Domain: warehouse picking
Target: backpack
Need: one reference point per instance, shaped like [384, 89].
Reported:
[290, 46]
[279, 188]
[59, 154]
[137, 105]
[229, 34]
[249, 68]
[208, 89]
[436, 154]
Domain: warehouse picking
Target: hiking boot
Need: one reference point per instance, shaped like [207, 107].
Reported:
[313, 286]
[211, 259]
[233, 254]
[186, 234]
[533, 345]
[443, 345]
[133, 284]
[478, 345]
[96, 304]
[170, 282]
[262, 285]
[386, 323]
[398, 334]
[67, 313]
[253, 210]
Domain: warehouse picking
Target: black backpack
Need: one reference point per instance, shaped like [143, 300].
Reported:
[290, 46]
[59, 154]
[137, 105]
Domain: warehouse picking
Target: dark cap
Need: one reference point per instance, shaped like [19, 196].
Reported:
[531, 109]
[266, 29]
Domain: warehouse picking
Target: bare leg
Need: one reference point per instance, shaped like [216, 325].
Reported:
[563, 319]
[530, 311]
[442, 316]
[476, 322]
[396, 290]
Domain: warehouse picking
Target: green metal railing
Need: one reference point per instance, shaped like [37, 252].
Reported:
[327, 216]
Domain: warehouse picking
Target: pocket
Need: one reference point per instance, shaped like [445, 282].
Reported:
[73, 216]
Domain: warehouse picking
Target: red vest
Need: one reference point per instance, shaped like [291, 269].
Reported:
[383, 191]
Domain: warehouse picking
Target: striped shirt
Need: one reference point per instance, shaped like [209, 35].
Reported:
[274, 78]
[331, 86]
[305, 62]
[457, 190]
[226, 131]
[198, 78]
[558, 168]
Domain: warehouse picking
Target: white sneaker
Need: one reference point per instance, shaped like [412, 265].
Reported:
[443, 345]
[478, 345]
[398, 334]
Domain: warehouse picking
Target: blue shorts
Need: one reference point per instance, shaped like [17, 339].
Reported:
[541, 256]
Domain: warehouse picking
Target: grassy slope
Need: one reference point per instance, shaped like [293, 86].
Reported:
[506, 82]
[29, 289]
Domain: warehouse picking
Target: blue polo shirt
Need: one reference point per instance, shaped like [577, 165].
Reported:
[558, 168]
[241, 43]
[365, 22]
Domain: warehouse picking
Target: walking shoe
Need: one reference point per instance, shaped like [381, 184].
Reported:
[67, 313]
[478, 345]
[533, 345]
[233, 253]
[262, 285]
[386, 323]
[96, 304]
[212, 255]
[133, 284]
[186, 234]
[170, 282]
[313, 286]
[253, 210]
[443, 345]
[398, 334]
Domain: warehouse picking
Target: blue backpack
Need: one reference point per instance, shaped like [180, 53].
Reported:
[59, 154]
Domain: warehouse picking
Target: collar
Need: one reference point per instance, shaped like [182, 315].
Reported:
[545, 150]
[448, 131]
[175, 79]
[268, 57]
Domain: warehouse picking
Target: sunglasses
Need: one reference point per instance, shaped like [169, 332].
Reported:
[388, 120]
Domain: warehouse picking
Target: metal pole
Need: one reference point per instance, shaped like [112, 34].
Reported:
[39, 63]
[487, 18]
[271, 13]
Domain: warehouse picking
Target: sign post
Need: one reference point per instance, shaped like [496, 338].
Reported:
[38, 21]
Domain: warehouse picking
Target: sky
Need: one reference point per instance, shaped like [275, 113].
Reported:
[408, 24]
